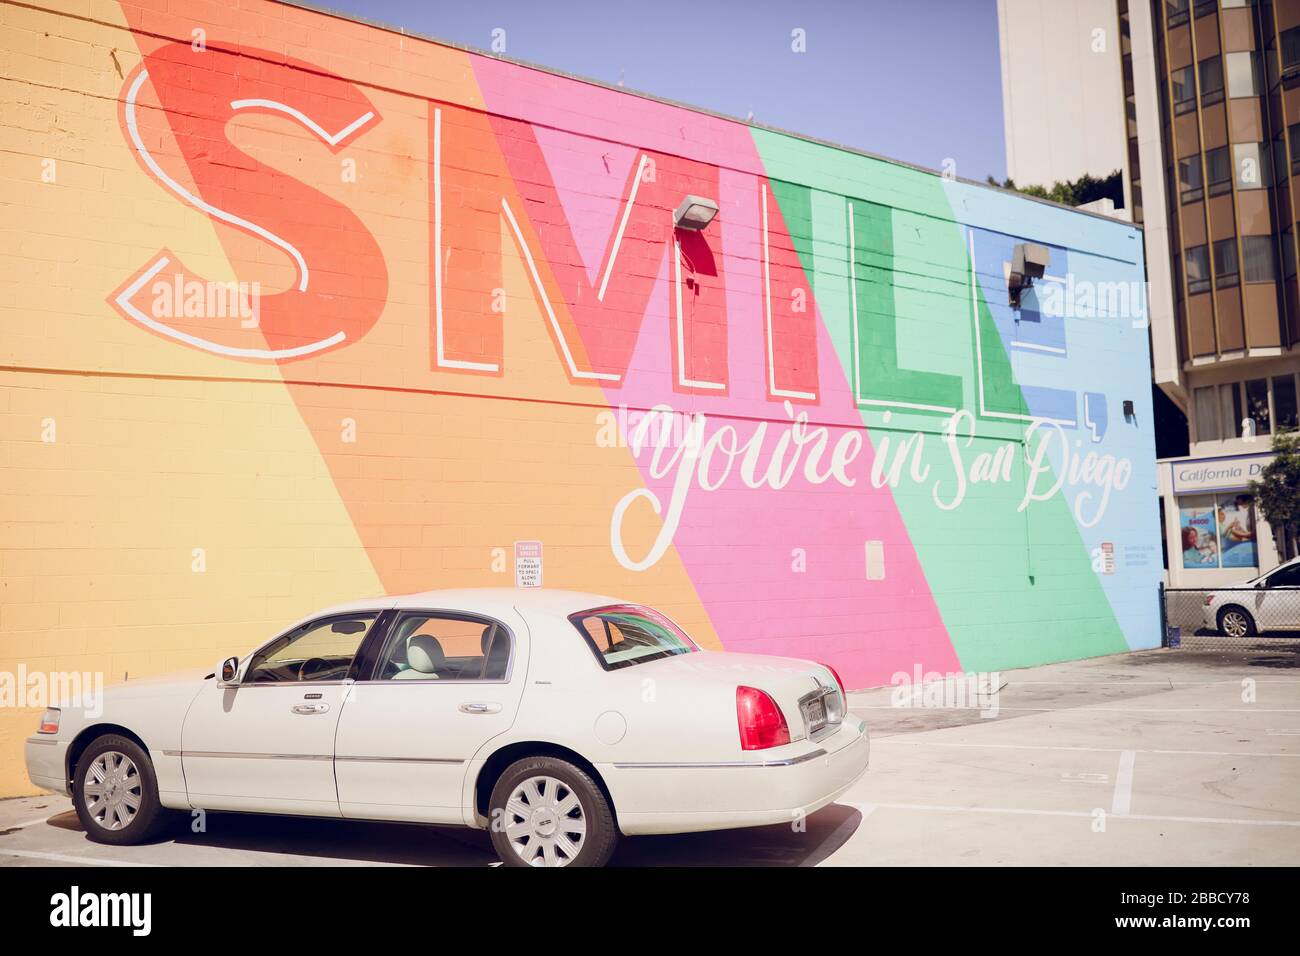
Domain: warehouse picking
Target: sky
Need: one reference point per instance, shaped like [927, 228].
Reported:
[917, 80]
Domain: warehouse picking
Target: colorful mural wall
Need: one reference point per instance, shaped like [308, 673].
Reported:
[297, 310]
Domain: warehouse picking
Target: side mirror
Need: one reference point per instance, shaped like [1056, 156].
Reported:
[228, 670]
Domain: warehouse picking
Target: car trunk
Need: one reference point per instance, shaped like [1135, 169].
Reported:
[807, 693]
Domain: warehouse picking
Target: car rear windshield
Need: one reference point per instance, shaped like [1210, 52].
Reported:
[622, 635]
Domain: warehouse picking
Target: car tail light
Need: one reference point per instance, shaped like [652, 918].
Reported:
[836, 674]
[835, 704]
[49, 721]
[761, 722]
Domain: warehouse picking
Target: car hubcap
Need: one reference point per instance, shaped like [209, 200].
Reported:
[545, 822]
[112, 790]
[1234, 624]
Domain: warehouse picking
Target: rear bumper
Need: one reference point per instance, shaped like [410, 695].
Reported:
[661, 798]
[46, 760]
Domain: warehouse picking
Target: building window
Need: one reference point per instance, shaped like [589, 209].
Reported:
[1294, 133]
[1288, 254]
[1189, 179]
[1218, 531]
[1251, 163]
[1257, 405]
[1211, 70]
[1290, 42]
[1176, 12]
[1258, 258]
[1183, 83]
[1229, 410]
[1218, 171]
[1207, 414]
[1225, 263]
[1284, 402]
[1243, 74]
[1198, 270]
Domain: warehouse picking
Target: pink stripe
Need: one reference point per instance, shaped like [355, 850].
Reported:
[738, 544]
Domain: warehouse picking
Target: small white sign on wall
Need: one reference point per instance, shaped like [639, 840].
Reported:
[528, 564]
[1107, 557]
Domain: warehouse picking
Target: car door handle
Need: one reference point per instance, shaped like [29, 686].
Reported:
[309, 708]
[477, 708]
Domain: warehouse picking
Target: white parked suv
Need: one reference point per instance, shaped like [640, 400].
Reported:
[1270, 602]
[556, 720]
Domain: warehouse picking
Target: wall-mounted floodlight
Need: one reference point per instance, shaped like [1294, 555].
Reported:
[1028, 262]
[695, 212]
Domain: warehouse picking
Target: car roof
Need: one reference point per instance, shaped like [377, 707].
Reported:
[493, 602]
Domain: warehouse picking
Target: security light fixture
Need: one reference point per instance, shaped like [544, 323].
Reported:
[695, 212]
[1028, 262]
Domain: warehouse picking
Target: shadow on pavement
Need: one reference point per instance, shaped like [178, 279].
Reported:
[781, 845]
[422, 845]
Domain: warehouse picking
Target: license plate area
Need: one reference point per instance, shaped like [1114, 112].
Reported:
[813, 710]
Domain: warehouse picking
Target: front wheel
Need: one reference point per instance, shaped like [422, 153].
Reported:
[1236, 622]
[547, 812]
[115, 792]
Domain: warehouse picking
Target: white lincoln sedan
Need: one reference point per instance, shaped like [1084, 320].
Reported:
[1270, 602]
[556, 720]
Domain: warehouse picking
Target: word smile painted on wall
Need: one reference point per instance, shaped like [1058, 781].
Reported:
[709, 457]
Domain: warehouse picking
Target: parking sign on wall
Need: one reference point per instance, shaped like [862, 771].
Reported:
[528, 564]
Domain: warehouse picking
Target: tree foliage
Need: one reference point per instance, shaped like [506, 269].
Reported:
[1085, 189]
[1277, 493]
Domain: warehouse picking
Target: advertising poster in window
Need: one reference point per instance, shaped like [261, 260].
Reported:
[1198, 525]
[1237, 531]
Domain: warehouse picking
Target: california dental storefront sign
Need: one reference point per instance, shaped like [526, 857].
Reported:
[1230, 473]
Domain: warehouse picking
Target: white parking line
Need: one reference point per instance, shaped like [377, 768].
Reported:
[1093, 709]
[29, 823]
[1122, 801]
[1020, 811]
[905, 739]
[1012, 682]
[66, 858]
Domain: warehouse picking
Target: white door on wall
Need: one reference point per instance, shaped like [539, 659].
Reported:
[267, 743]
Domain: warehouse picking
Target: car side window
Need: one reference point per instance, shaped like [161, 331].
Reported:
[1285, 578]
[319, 650]
[603, 633]
[427, 645]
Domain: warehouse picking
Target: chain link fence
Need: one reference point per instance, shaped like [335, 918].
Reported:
[1230, 618]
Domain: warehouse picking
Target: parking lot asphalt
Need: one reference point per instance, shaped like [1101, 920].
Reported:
[1166, 757]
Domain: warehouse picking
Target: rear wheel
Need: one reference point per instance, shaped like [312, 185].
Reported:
[115, 792]
[1236, 622]
[547, 812]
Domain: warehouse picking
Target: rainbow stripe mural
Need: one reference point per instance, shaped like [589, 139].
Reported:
[298, 309]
